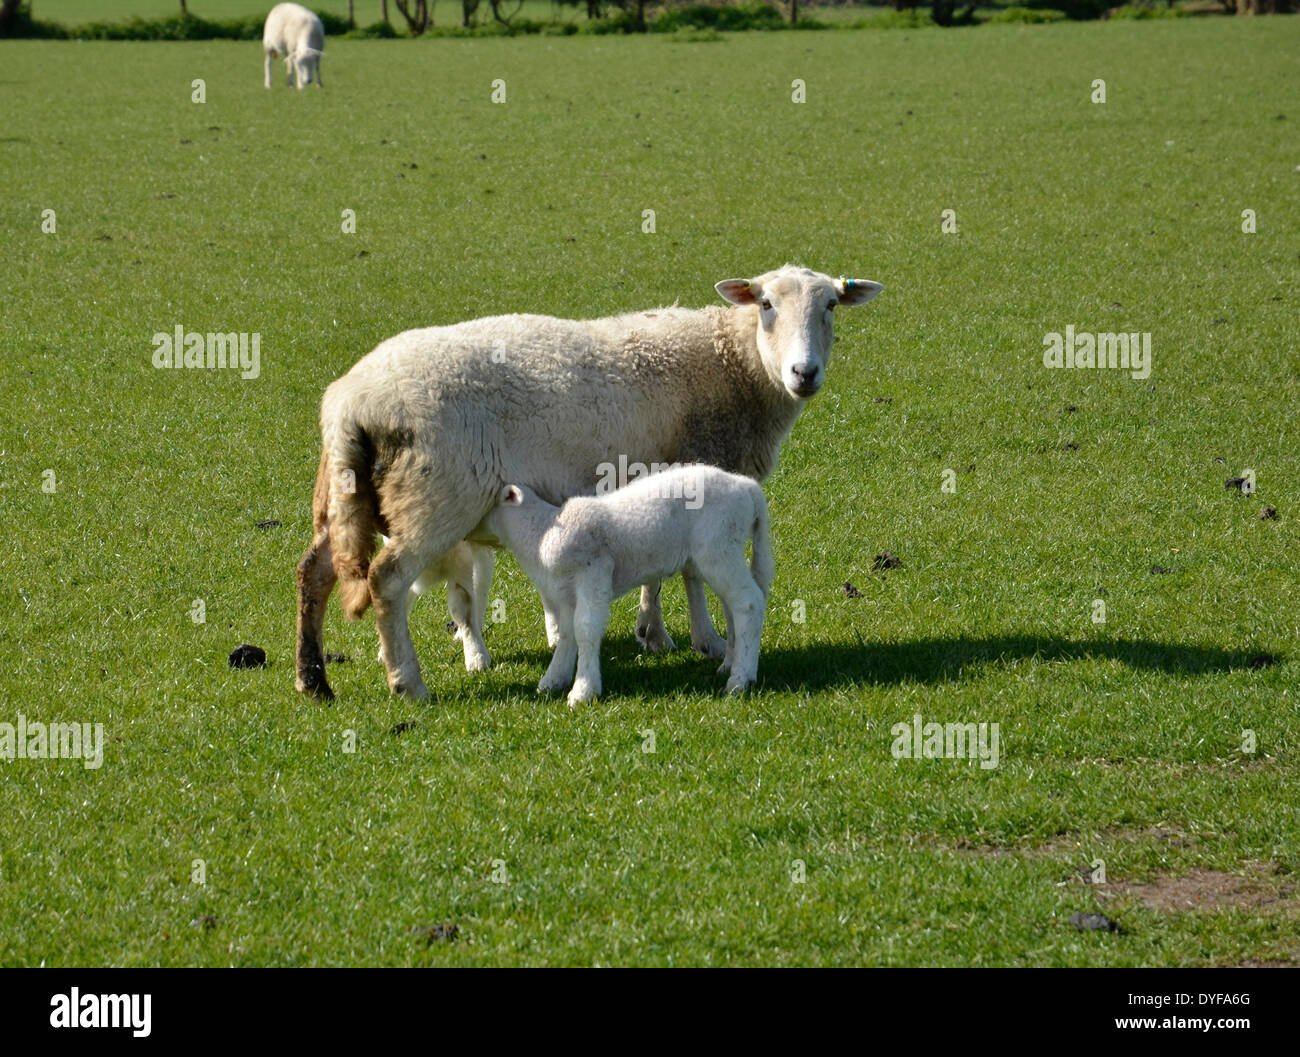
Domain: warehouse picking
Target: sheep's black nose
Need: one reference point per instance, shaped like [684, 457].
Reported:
[806, 375]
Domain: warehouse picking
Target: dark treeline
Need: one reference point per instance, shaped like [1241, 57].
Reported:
[391, 18]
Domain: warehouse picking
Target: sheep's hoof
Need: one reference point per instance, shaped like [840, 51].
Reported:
[655, 640]
[480, 662]
[314, 683]
[736, 685]
[715, 647]
[416, 691]
[549, 685]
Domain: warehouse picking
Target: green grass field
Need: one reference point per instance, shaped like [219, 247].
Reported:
[547, 835]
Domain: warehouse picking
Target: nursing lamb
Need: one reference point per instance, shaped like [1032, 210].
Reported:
[585, 554]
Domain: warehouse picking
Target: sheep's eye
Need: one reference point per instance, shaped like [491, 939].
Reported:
[830, 306]
[766, 305]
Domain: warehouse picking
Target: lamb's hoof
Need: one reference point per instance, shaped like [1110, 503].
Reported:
[737, 685]
[715, 647]
[583, 692]
[655, 640]
[478, 663]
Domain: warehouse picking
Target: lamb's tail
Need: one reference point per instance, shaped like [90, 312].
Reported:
[353, 509]
[761, 566]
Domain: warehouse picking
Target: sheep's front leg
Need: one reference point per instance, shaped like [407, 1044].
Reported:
[590, 619]
[704, 636]
[650, 630]
[270, 64]
[460, 603]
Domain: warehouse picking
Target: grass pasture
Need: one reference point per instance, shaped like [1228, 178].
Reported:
[548, 835]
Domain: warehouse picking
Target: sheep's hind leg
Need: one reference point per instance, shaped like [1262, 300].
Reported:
[650, 630]
[704, 636]
[315, 582]
[392, 573]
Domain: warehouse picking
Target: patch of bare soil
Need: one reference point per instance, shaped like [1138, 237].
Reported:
[1202, 889]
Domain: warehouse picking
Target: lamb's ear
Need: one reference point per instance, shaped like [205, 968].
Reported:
[511, 496]
[737, 291]
[856, 291]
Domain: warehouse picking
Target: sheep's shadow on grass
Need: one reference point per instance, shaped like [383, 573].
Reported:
[940, 660]
[828, 665]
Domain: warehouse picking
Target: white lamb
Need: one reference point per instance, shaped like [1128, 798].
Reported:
[297, 34]
[585, 554]
[419, 438]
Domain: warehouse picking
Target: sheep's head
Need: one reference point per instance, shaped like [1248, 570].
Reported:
[796, 322]
[305, 63]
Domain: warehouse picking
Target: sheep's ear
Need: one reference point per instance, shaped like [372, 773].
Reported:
[737, 291]
[856, 291]
[511, 496]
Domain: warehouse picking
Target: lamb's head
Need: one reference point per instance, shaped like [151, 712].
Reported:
[510, 522]
[795, 320]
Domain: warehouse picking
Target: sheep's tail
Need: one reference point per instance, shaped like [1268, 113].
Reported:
[761, 566]
[353, 511]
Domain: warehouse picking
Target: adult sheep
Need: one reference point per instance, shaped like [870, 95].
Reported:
[420, 437]
[297, 34]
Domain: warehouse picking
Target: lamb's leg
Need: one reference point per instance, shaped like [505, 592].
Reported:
[315, 71]
[728, 658]
[559, 676]
[315, 582]
[591, 617]
[552, 626]
[270, 63]
[288, 66]
[650, 630]
[730, 577]
[704, 636]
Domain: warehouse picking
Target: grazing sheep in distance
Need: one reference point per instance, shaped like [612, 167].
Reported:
[419, 438]
[583, 555]
[297, 34]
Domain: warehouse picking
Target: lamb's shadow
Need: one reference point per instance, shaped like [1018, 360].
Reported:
[934, 660]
